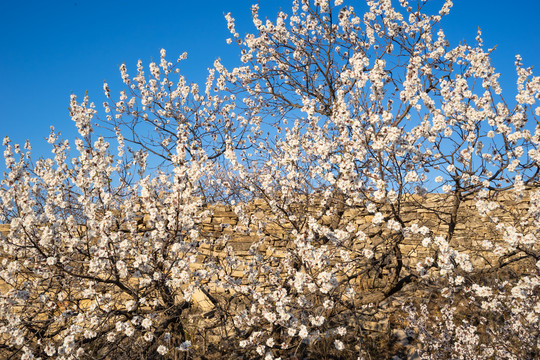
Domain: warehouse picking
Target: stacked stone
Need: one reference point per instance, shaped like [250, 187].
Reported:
[225, 235]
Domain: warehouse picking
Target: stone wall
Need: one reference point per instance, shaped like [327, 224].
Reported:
[224, 233]
[264, 232]
[433, 211]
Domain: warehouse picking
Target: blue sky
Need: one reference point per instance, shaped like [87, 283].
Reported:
[52, 48]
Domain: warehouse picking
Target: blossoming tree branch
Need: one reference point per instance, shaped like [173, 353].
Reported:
[336, 131]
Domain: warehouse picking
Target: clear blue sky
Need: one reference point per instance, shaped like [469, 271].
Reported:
[52, 48]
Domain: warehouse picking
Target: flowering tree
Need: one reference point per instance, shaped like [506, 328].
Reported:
[330, 139]
[81, 275]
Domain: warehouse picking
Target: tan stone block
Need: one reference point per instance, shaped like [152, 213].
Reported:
[4, 228]
[229, 221]
[237, 274]
[202, 301]
[207, 220]
[221, 207]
